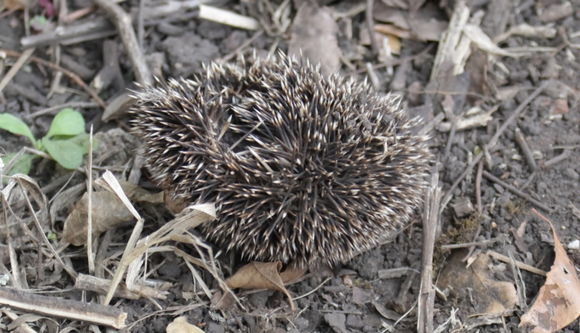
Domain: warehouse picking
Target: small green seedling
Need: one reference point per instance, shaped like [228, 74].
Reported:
[66, 141]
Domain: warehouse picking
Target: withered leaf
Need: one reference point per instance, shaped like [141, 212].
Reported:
[180, 325]
[558, 301]
[107, 212]
[490, 297]
[263, 275]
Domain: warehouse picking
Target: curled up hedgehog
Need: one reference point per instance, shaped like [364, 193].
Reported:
[303, 168]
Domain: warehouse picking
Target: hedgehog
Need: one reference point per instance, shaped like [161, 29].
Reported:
[303, 168]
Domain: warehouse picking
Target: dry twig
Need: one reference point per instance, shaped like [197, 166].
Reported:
[22, 59]
[491, 144]
[64, 308]
[75, 78]
[89, 282]
[430, 222]
[518, 263]
[515, 191]
[122, 21]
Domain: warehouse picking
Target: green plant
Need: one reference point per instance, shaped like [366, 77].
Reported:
[66, 141]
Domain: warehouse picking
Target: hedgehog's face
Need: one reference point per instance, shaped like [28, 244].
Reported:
[301, 167]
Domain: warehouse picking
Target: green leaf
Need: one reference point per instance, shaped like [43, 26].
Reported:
[23, 164]
[83, 141]
[67, 122]
[67, 152]
[16, 126]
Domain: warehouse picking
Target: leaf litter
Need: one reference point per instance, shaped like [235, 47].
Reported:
[475, 287]
[108, 212]
[558, 301]
[265, 275]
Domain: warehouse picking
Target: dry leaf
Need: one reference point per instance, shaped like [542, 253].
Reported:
[261, 275]
[490, 297]
[107, 212]
[422, 24]
[180, 325]
[292, 275]
[385, 37]
[558, 302]
[15, 4]
[314, 37]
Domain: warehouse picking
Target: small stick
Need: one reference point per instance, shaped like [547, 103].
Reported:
[75, 78]
[469, 244]
[449, 193]
[63, 308]
[472, 247]
[517, 112]
[478, 188]
[515, 191]
[395, 273]
[370, 28]
[14, 266]
[462, 123]
[141, 24]
[90, 256]
[453, 120]
[101, 286]
[115, 187]
[21, 328]
[53, 109]
[521, 141]
[373, 77]
[122, 21]
[565, 154]
[518, 279]
[245, 44]
[15, 68]
[430, 222]
[66, 33]
[493, 141]
[227, 17]
[43, 236]
[432, 124]
[518, 263]
[312, 291]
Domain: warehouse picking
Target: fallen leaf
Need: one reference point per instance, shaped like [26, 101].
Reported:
[386, 36]
[223, 301]
[262, 275]
[107, 212]
[558, 301]
[422, 24]
[15, 4]
[180, 325]
[489, 296]
[314, 37]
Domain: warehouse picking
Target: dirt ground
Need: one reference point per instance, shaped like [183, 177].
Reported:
[482, 212]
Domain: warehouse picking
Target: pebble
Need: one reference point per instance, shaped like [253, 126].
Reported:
[571, 173]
